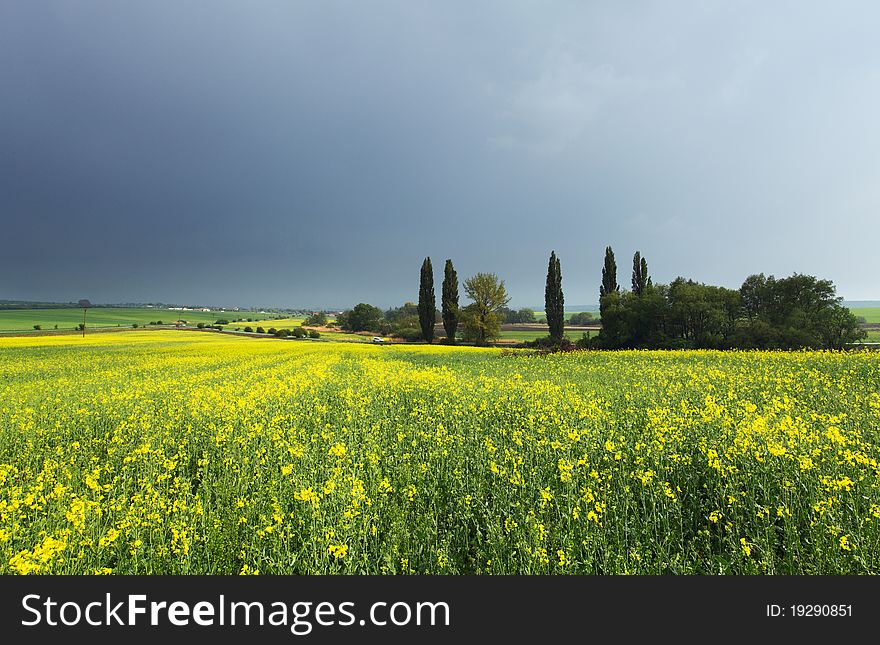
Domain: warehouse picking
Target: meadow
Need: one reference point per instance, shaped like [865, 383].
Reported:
[67, 319]
[870, 314]
[527, 335]
[164, 452]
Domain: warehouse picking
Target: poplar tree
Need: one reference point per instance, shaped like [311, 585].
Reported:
[609, 274]
[427, 302]
[449, 303]
[554, 302]
[640, 274]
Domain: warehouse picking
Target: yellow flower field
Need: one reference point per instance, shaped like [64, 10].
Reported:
[167, 452]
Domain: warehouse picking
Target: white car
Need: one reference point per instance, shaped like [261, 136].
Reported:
[378, 339]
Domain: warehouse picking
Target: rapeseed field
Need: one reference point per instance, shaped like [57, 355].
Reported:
[167, 452]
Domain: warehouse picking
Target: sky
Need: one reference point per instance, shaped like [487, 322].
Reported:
[311, 154]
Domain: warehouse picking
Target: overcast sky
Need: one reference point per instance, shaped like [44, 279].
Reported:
[313, 153]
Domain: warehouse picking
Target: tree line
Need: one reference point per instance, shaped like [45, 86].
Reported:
[479, 321]
[766, 312]
[799, 311]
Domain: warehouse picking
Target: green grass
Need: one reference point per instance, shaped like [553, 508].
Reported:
[870, 314]
[569, 314]
[25, 319]
[534, 335]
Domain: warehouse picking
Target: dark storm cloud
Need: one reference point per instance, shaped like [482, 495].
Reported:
[311, 154]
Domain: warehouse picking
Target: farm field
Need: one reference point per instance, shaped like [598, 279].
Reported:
[290, 323]
[281, 323]
[25, 319]
[870, 314]
[572, 335]
[569, 314]
[183, 453]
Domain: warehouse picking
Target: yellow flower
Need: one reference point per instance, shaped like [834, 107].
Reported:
[337, 450]
[338, 550]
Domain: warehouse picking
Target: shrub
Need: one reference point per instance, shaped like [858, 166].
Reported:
[201, 325]
[272, 330]
[313, 333]
[260, 330]
[221, 321]
[299, 332]
[317, 319]
[581, 318]
[548, 344]
[282, 333]
[409, 334]
[38, 326]
[158, 322]
[249, 329]
[135, 325]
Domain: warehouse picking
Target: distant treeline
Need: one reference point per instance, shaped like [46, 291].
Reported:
[27, 304]
[800, 311]
[30, 304]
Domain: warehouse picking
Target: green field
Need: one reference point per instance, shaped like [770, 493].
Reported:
[534, 335]
[569, 314]
[163, 452]
[25, 319]
[870, 314]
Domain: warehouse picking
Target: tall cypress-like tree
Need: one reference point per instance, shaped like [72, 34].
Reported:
[554, 303]
[640, 274]
[449, 302]
[609, 274]
[427, 302]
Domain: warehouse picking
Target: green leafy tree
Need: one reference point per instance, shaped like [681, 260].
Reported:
[640, 277]
[609, 287]
[795, 312]
[427, 301]
[449, 304]
[481, 318]
[525, 315]
[408, 311]
[362, 317]
[580, 319]
[316, 319]
[554, 302]
[609, 274]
